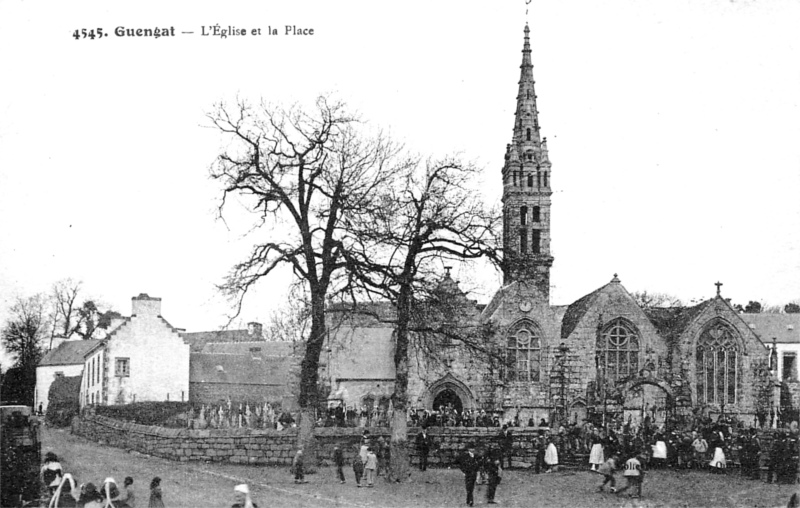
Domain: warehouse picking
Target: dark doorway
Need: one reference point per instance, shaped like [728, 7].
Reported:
[448, 398]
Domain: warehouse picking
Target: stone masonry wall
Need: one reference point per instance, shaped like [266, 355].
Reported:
[262, 447]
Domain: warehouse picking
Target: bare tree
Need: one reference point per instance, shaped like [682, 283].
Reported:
[648, 300]
[430, 216]
[299, 173]
[22, 337]
[73, 315]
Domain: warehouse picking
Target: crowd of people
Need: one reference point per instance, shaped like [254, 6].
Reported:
[64, 491]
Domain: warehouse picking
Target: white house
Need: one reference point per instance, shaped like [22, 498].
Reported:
[65, 360]
[143, 359]
[782, 331]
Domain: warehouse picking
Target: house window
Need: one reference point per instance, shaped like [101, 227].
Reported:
[523, 350]
[617, 352]
[123, 367]
[716, 365]
[789, 372]
[523, 215]
[523, 241]
[536, 243]
[536, 216]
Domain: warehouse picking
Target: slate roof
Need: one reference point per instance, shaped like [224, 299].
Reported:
[238, 369]
[784, 327]
[69, 352]
[198, 340]
[576, 311]
[260, 348]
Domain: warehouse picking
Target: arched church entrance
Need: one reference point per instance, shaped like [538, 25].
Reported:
[448, 399]
[647, 401]
[448, 390]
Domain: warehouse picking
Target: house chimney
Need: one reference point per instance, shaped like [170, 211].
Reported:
[254, 329]
[144, 305]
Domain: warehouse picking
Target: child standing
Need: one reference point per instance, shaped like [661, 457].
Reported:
[156, 496]
[358, 468]
[607, 469]
[371, 466]
[297, 467]
[633, 475]
[338, 459]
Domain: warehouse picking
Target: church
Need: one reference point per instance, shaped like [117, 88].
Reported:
[602, 357]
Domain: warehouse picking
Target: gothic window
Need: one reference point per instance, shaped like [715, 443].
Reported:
[536, 242]
[527, 94]
[538, 179]
[716, 365]
[617, 351]
[528, 134]
[523, 241]
[515, 178]
[523, 354]
[530, 180]
[523, 215]
[536, 216]
[545, 178]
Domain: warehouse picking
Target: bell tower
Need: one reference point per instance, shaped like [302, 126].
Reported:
[526, 190]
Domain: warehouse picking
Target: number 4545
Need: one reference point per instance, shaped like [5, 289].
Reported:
[83, 33]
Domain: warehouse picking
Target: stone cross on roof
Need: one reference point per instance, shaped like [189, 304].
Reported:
[719, 285]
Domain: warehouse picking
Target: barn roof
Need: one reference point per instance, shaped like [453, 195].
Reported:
[241, 369]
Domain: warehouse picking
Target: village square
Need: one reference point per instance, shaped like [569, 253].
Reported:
[388, 382]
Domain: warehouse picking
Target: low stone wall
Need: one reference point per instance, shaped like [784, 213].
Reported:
[252, 446]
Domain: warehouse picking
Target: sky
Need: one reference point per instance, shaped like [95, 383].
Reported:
[672, 127]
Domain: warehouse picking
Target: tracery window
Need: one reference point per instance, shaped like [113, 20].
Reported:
[716, 364]
[617, 351]
[523, 353]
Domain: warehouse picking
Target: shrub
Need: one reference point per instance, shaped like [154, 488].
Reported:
[63, 401]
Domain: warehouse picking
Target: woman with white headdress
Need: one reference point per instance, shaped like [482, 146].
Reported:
[242, 496]
[66, 494]
[110, 493]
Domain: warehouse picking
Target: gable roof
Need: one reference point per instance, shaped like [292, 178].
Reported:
[69, 352]
[784, 327]
[238, 369]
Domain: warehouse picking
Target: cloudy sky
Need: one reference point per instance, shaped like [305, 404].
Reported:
[673, 130]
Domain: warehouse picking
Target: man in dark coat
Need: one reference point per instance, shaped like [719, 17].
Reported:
[506, 443]
[424, 443]
[468, 462]
[492, 464]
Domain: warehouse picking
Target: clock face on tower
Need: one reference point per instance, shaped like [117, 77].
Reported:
[525, 306]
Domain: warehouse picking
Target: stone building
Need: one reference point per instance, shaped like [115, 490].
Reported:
[601, 356]
[66, 360]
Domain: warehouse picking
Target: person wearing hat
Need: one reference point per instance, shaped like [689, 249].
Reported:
[469, 465]
[424, 444]
[109, 492]
[241, 494]
[128, 499]
[66, 494]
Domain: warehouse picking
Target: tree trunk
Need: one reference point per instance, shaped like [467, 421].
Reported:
[399, 462]
[306, 439]
[309, 381]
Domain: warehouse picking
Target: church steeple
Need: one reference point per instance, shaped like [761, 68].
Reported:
[526, 189]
